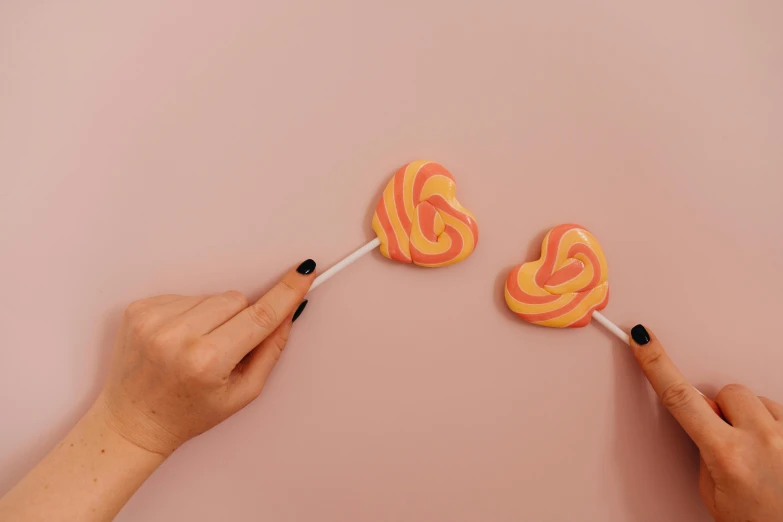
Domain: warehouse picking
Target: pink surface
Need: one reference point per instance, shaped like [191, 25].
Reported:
[150, 147]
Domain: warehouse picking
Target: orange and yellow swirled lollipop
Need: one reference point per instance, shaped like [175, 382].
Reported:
[566, 285]
[419, 220]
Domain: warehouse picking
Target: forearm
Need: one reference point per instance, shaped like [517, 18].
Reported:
[88, 477]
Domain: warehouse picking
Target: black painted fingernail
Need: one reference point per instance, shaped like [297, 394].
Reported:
[299, 310]
[640, 335]
[307, 267]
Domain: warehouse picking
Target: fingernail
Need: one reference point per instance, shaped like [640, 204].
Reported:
[640, 335]
[299, 310]
[307, 267]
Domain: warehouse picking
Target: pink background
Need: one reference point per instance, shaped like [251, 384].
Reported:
[157, 147]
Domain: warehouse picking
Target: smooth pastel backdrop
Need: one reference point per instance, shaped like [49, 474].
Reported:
[194, 146]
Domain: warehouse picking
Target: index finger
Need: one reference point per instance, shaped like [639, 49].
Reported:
[243, 332]
[682, 400]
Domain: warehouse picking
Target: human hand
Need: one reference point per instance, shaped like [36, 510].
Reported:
[741, 475]
[182, 365]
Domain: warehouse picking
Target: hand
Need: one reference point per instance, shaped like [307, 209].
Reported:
[741, 477]
[184, 364]
[181, 365]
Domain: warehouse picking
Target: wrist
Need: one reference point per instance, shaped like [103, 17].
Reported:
[88, 476]
[134, 429]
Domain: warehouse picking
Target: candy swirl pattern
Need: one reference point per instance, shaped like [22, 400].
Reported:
[565, 286]
[419, 220]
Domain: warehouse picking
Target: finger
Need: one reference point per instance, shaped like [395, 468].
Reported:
[181, 305]
[159, 300]
[162, 309]
[248, 328]
[258, 364]
[214, 311]
[775, 409]
[678, 396]
[741, 407]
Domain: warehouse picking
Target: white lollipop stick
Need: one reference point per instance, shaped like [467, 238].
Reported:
[609, 325]
[349, 260]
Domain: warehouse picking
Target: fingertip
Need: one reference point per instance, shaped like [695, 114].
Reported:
[650, 354]
[299, 310]
[302, 277]
[306, 268]
[640, 336]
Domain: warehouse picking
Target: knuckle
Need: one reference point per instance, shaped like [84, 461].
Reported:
[135, 308]
[280, 342]
[728, 391]
[725, 448]
[201, 363]
[141, 323]
[168, 338]
[277, 351]
[263, 315]
[235, 296]
[733, 469]
[650, 359]
[162, 341]
[726, 457]
[287, 286]
[772, 439]
[676, 396]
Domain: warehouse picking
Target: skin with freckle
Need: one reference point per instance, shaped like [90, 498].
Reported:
[181, 365]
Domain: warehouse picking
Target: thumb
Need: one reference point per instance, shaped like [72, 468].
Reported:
[259, 363]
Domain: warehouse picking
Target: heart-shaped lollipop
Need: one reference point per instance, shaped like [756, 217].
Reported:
[564, 286]
[418, 220]
[567, 286]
